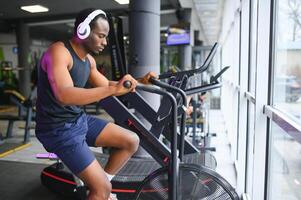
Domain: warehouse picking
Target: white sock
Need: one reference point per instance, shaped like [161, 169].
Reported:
[109, 176]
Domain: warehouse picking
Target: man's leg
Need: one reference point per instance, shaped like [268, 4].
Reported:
[124, 141]
[95, 178]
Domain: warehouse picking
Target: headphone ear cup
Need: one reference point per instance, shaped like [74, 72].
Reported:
[83, 31]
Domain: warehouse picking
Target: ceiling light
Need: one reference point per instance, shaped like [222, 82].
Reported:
[207, 12]
[123, 1]
[35, 8]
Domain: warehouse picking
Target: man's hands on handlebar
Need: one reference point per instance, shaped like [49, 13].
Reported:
[121, 89]
[145, 79]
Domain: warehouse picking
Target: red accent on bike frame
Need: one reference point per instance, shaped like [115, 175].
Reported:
[133, 191]
[59, 178]
[130, 122]
[123, 190]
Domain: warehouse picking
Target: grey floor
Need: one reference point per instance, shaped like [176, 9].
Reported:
[225, 166]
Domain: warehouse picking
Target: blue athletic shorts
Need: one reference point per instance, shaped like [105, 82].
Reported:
[72, 140]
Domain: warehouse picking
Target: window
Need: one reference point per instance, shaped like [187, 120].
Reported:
[284, 166]
[284, 176]
[287, 58]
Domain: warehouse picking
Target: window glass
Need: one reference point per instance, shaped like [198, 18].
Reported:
[287, 58]
[284, 180]
[253, 46]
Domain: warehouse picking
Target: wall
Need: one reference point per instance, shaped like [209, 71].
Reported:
[8, 42]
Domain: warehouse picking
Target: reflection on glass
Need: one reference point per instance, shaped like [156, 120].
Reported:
[284, 181]
[253, 42]
[287, 61]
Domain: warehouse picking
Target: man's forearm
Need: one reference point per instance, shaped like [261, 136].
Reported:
[112, 83]
[82, 96]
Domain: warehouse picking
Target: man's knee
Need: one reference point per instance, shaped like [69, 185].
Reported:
[133, 143]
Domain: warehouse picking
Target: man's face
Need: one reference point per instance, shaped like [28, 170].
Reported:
[97, 39]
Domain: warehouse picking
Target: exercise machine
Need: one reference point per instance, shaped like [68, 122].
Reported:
[25, 113]
[60, 180]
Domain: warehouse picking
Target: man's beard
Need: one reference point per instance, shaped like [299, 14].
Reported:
[91, 52]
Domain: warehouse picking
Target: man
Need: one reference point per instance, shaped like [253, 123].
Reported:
[62, 127]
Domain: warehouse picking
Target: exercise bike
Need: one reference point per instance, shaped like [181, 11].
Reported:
[172, 181]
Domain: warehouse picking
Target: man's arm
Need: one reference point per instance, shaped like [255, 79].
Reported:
[56, 62]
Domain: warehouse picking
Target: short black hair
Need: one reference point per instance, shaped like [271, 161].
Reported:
[82, 15]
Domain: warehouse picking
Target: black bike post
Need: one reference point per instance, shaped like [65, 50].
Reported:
[173, 167]
[183, 115]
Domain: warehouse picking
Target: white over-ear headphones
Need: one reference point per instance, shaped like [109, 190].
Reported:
[83, 29]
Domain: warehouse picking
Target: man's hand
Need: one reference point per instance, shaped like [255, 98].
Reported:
[145, 79]
[121, 89]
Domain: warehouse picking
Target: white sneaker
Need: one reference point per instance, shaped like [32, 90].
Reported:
[113, 197]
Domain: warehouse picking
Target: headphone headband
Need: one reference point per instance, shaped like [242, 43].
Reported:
[83, 29]
[92, 15]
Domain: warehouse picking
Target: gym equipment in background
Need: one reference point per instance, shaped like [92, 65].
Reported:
[25, 113]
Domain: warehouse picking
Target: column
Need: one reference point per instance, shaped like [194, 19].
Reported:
[144, 28]
[23, 42]
[185, 51]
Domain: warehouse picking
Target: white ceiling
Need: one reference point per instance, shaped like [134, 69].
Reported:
[207, 13]
[210, 15]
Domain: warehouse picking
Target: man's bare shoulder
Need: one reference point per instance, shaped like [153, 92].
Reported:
[57, 46]
[57, 53]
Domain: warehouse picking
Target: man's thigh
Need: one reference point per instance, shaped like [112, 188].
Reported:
[114, 136]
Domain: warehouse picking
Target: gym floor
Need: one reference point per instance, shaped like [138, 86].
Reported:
[20, 170]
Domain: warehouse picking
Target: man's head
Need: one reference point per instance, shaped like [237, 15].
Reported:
[91, 27]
